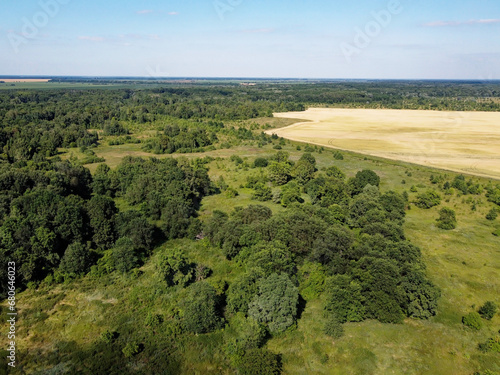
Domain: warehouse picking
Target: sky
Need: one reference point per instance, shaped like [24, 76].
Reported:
[375, 39]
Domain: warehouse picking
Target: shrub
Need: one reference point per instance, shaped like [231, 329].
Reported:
[231, 192]
[131, 349]
[488, 310]
[472, 320]
[337, 155]
[344, 299]
[201, 308]
[447, 219]
[260, 163]
[335, 172]
[243, 334]
[259, 362]
[492, 215]
[491, 345]
[428, 199]
[460, 184]
[174, 268]
[262, 193]
[271, 257]
[236, 159]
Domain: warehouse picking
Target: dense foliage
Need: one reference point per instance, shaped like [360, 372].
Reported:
[52, 221]
[370, 269]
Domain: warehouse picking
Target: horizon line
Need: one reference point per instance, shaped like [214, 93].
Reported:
[149, 78]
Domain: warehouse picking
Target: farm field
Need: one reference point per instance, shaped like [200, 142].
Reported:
[23, 80]
[466, 142]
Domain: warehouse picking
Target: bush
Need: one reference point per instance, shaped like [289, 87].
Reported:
[491, 345]
[472, 320]
[488, 310]
[236, 159]
[131, 349]
[201, 313]
[492, 215]
[173, 266]
[428, 199]
[231, 193]
[259, 362]
[333, 327]
[335, 172]
[243, 334]
[262, 193]
[447, 219]
[337, 155]
[260, 163]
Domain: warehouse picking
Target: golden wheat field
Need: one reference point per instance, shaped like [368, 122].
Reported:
[466, 142]
[23, 80]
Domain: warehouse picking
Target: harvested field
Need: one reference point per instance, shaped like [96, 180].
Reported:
[467, 142]
[22, 80]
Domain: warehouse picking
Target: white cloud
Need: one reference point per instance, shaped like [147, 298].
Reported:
[459, 23]
[92, 38]
[258, 31]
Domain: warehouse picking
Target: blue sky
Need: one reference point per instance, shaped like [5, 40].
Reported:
[439, 39]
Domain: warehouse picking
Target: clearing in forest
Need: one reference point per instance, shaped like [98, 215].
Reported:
[466, 142]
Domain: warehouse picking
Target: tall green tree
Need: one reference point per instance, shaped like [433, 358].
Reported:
[276, 303]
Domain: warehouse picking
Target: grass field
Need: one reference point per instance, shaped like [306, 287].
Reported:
[460, 141]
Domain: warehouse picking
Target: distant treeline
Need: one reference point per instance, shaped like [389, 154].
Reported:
[39, 121]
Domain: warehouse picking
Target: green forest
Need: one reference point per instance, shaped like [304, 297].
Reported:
[223, 250]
